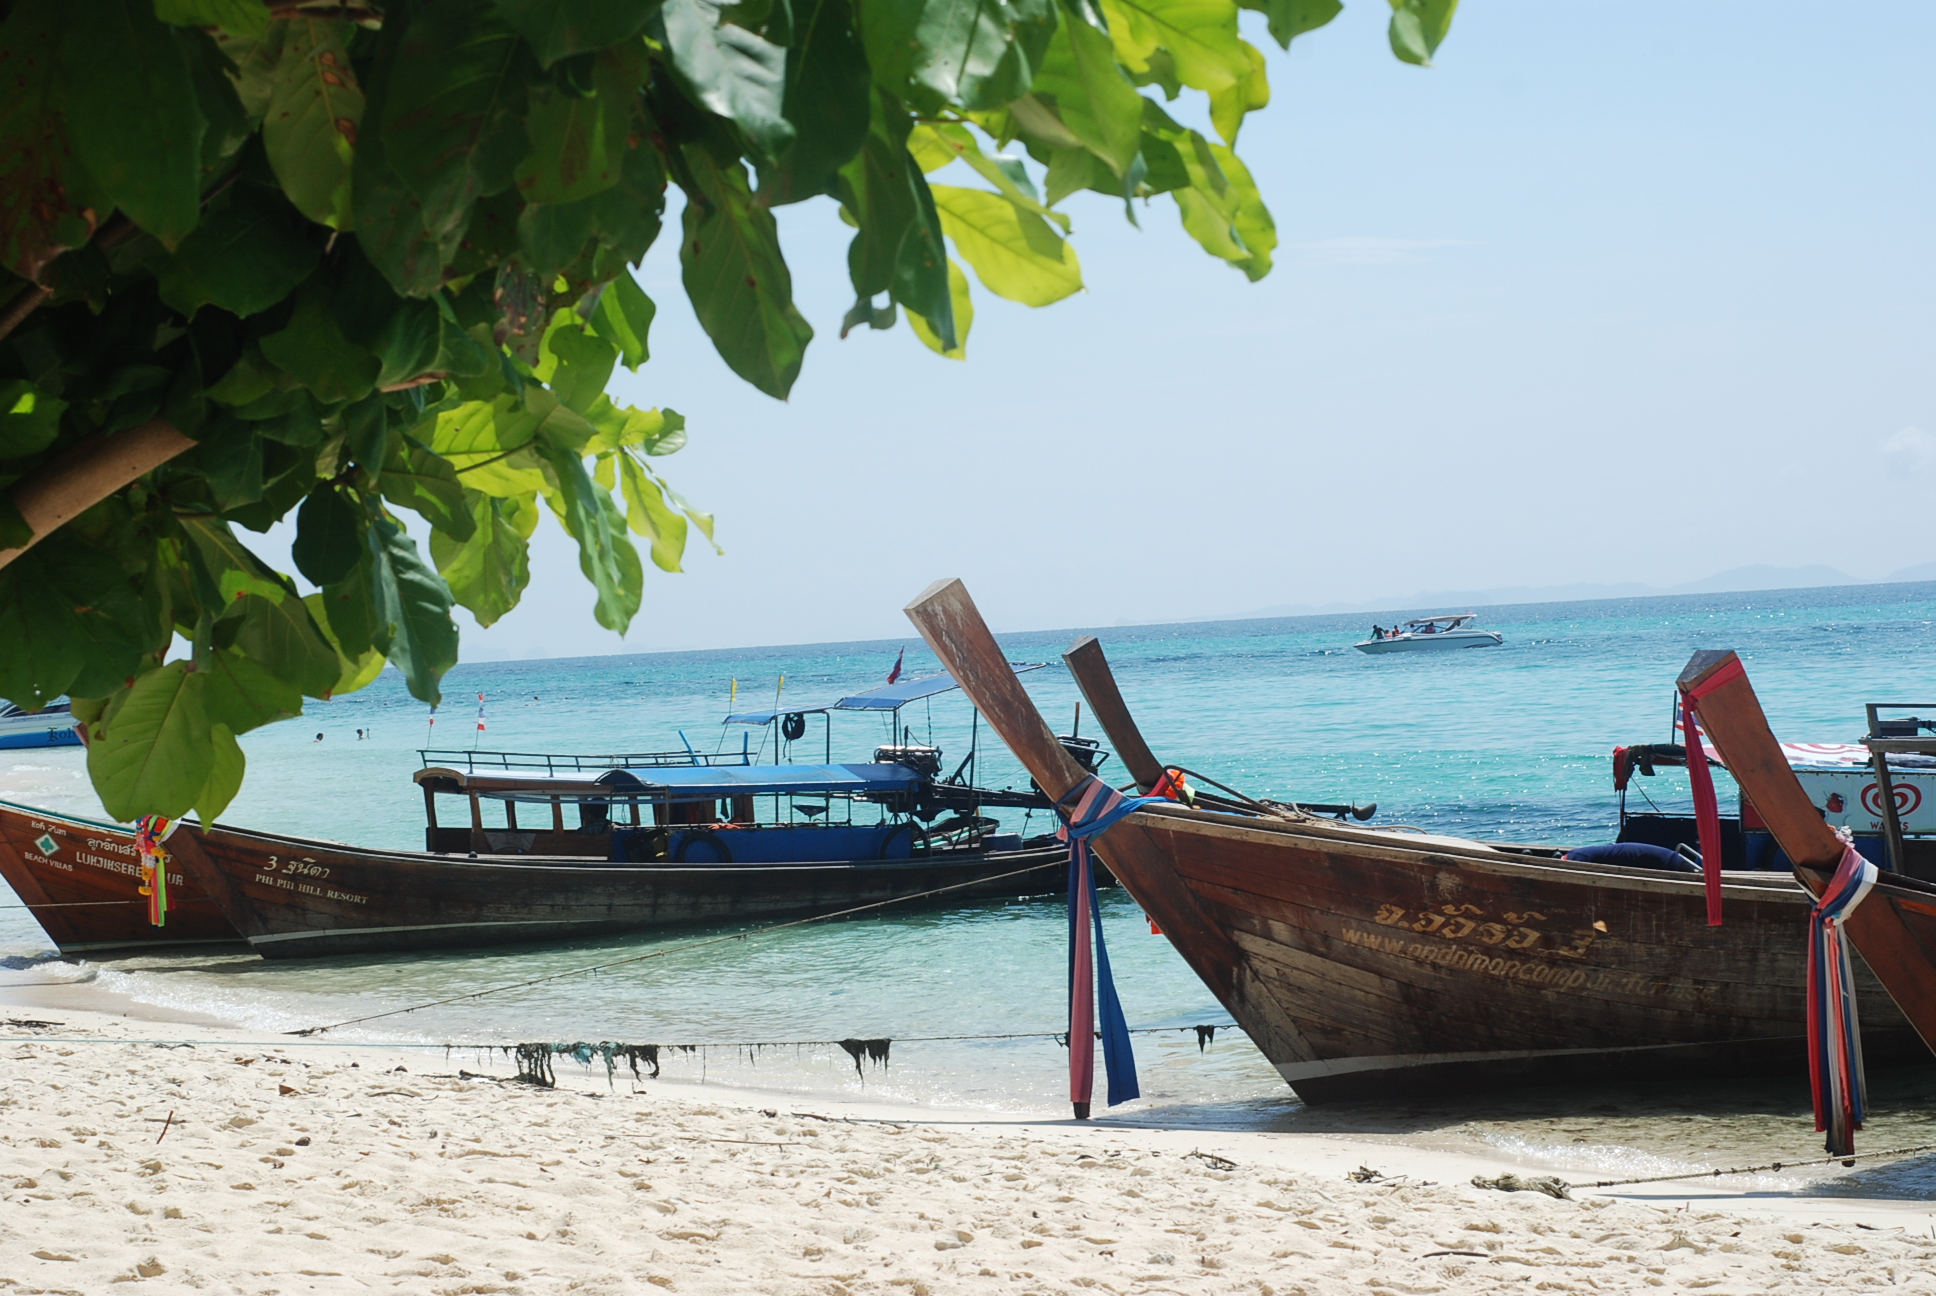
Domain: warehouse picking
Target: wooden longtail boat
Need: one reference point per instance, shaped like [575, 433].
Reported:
[642, 849]
[79, 880]
[1894, 929]
[1368, 963]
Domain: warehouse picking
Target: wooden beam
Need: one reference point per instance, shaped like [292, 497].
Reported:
[1879, 927]
[1098, 684]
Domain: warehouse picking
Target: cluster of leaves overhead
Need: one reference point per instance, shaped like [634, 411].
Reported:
[371, 255]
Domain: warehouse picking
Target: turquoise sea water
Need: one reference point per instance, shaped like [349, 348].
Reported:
[1500, 743]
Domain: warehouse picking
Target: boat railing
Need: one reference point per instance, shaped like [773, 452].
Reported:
[555, 763]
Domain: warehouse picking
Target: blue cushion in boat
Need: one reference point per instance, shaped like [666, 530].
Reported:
[1634, 855]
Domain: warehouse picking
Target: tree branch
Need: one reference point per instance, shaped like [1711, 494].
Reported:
[110, 236]
[66, 486]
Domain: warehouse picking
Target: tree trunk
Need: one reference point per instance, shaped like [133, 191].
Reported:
[60, 490]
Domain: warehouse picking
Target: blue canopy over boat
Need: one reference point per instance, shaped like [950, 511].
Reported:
[888, 697]
[766, 780]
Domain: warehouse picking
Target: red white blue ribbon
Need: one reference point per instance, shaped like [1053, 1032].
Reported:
[1834, 1032]
[1707, 813]
[1097, 806]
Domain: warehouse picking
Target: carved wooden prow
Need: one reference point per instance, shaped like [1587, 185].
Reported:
[1086, 662]
[948, 619]
[1732, 718]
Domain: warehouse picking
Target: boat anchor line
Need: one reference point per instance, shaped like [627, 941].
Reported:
[683, 948]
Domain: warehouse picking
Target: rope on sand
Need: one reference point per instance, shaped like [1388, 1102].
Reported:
[1553, 1186]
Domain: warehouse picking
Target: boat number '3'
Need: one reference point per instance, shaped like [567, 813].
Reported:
[1456, 922]
[297, 868]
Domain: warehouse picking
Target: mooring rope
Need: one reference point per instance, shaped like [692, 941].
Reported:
[1205, 1035]
[680, 949]
[1760, 1169]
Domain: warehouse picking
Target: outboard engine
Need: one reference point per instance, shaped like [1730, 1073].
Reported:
[922, 760]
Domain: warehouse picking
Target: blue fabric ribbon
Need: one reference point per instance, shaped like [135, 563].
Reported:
[1097, 807]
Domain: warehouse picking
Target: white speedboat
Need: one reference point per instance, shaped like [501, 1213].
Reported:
[1429, 634]
[50, 727]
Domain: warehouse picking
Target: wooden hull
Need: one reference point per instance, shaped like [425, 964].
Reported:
[83, 891]
[293, 898]
[1374, 966]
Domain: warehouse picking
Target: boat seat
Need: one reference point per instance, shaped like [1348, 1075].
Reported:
[1634, 855]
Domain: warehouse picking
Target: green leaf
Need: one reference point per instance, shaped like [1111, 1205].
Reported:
[1098, 104]
[1014, 252]
[559, 28]
[29, 419]
[579, 364]
[828, 101]
[1290, 19]
[412, 606]
[579, 142]
[365, 426]
[314, 112]
[656, 432]
[130, 108]
[153, 755]
[1417, 27]
[417, 478]
[734, 72]
[235, 583]
[313, 350]
[454, 107]
[738, 281]
[700, 519]
[241, 17]
[44, 647]
[356, 671]
[389, 216]
[226, 768]
[48, 202]
[1200, 36]
[247, 254]
[230, 457]
[111, 628]
[256, 58]
[605, 554]
[227, 127]
[624, 318]
[646, 512]
[243, 694]
[349, 612]
[329, 536]
[488, 572]
[1249, 93]
[899, 248]
[1219, 202]
[15, 531]
[278, 633]
[938, 52]
[1007, 174]
[490, 445]
[964, 317]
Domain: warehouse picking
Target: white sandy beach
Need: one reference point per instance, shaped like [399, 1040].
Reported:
[231, 1165]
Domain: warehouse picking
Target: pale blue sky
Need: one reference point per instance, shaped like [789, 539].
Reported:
[1630, 293]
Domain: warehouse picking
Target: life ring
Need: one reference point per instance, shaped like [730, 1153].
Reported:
[712, 840]
[794, 726]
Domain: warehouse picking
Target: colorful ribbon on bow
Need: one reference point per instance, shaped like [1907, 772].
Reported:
[1707, 813]
[1834, 1032]
[150, 831]
[1097, 806]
